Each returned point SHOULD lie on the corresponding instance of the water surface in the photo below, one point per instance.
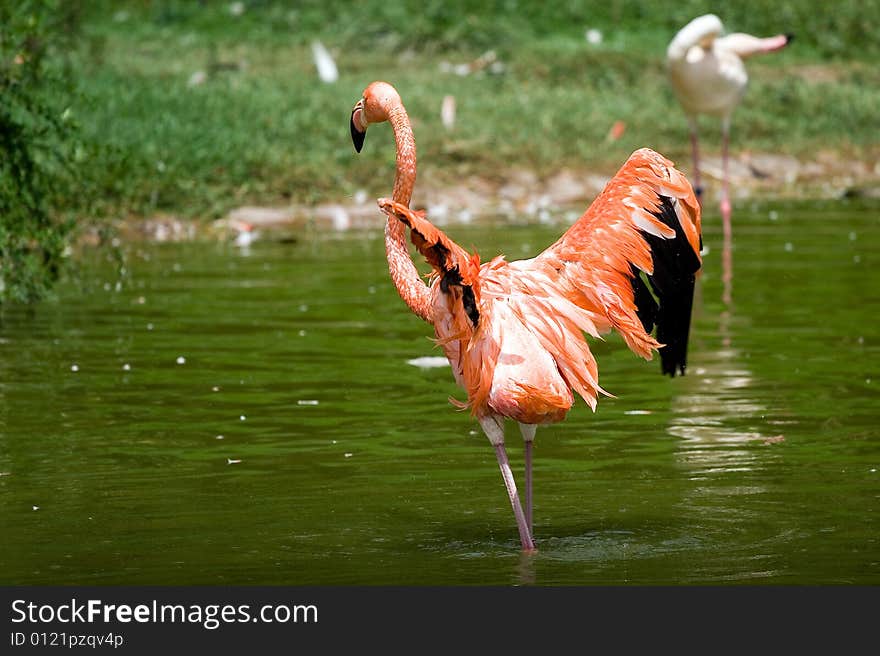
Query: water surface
(198, 414)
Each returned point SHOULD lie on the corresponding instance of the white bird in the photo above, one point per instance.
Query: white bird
(708, 76)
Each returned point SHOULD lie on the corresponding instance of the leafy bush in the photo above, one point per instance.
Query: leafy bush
(37, 142)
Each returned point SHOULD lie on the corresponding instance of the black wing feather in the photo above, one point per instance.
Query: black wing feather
(668, 302)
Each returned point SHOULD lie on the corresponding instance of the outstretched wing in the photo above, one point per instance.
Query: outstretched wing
(451, 263)
(633, 257)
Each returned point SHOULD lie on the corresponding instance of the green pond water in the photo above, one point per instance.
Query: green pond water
(198, 414)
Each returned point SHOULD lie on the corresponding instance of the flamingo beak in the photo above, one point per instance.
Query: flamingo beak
(777, 42)
(357, 135)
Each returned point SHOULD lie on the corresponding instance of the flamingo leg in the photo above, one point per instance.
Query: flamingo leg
(529, 487)
(493, 427)
(695, 155)
(524, 535)
(528, 433)
(725, 178)
(727, 251)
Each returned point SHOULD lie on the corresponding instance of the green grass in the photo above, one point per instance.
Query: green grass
(263, 129)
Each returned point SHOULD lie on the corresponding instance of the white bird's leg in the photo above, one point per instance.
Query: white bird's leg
(727, 249)
(494, 429)
(725, 177)
(695, 155)
(528, 433)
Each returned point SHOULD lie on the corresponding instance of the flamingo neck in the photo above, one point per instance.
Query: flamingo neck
(404, 274)
(405, 174)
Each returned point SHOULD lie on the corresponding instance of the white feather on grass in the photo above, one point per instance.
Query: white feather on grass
(429, 362)
(447, 112)
(324, 62)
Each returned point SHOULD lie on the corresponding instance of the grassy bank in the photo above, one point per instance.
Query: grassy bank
(261, 128)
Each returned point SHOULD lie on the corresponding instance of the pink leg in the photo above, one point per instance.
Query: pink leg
(695, 154)
(727, 251)
(529, 487)
(525, 535)
(727, 269)
(528, 432)
(725, 180)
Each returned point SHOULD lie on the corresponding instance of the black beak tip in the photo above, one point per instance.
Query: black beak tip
(357, 137)
(789, 37)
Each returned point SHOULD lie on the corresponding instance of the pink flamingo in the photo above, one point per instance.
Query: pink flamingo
(709, 77)
(514, 331)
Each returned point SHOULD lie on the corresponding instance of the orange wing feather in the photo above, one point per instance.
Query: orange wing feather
(639, 185)
(646, 219)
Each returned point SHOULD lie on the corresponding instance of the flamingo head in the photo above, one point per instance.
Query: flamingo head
(374, 107)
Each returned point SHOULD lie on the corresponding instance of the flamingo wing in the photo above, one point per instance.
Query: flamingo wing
(701, 31)
(632, 258)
